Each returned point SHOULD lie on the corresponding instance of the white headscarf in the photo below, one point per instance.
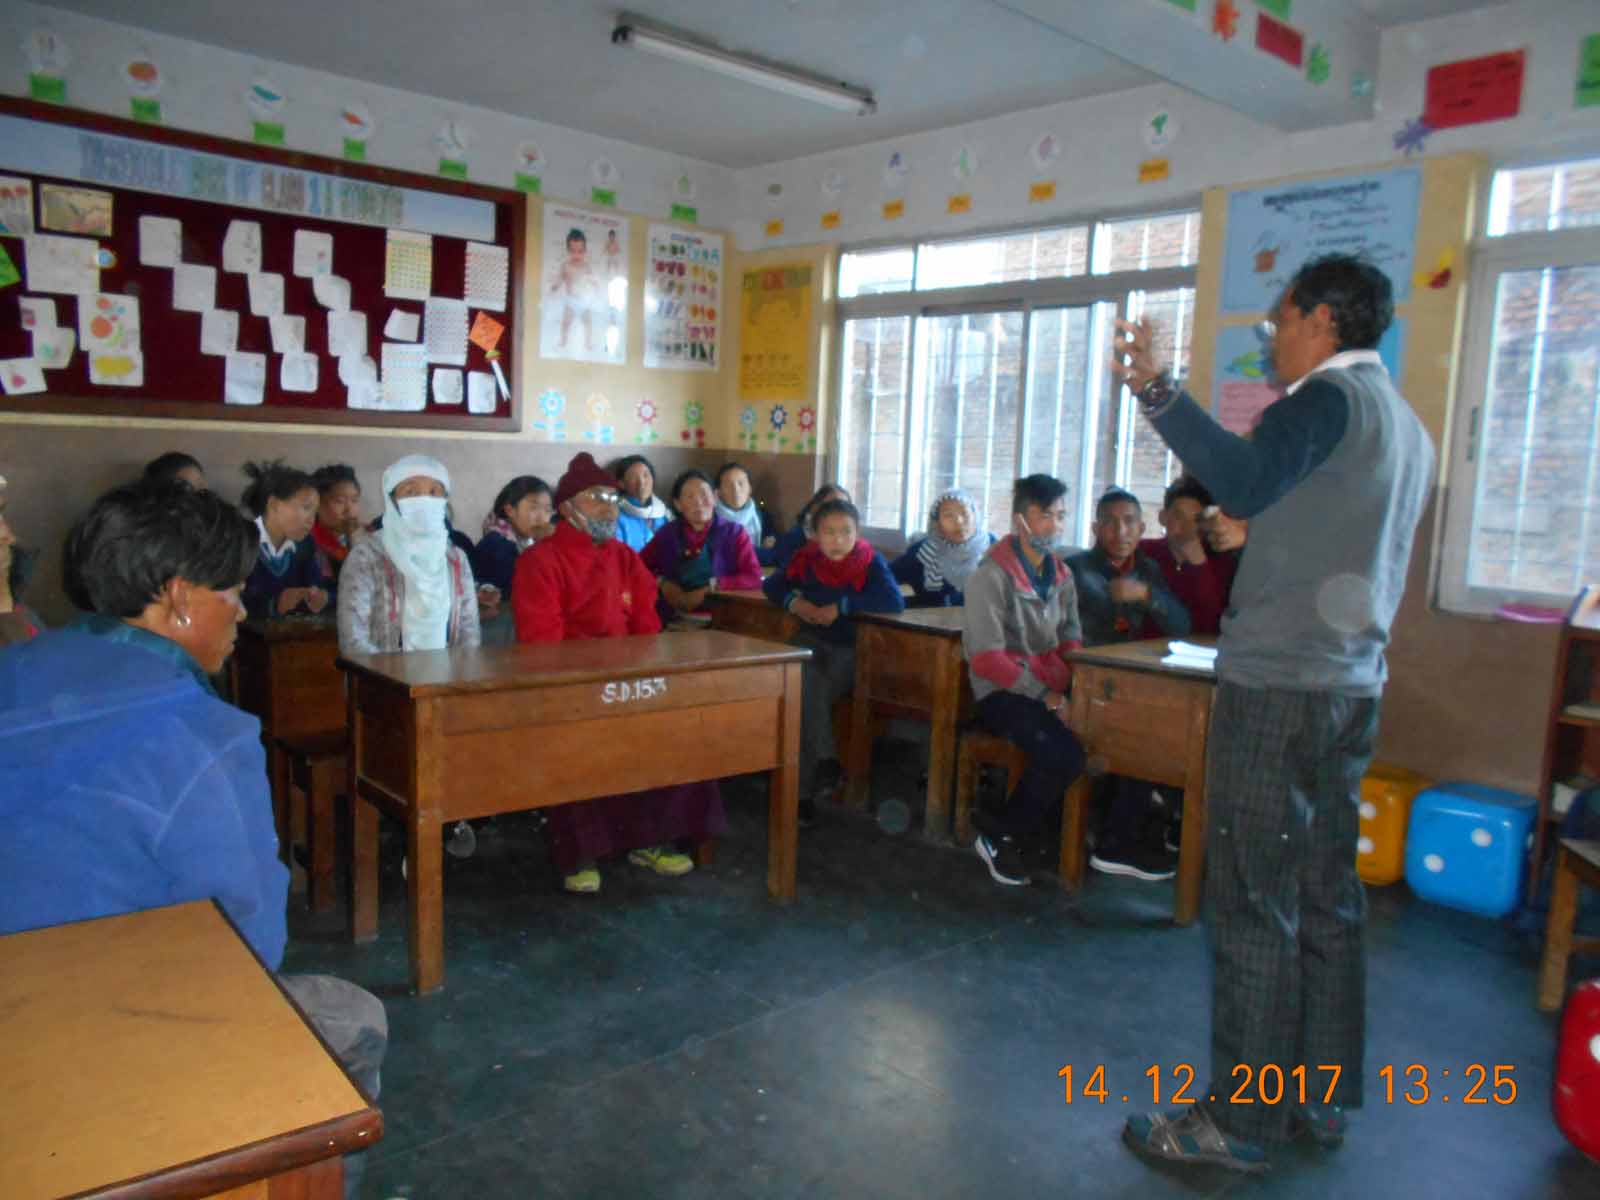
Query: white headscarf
(421, 553)
(944, 561)
(749, 516)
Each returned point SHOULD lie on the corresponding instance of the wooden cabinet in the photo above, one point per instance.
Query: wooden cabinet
(1572, 738)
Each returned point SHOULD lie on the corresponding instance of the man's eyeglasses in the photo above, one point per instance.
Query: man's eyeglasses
(603, 495)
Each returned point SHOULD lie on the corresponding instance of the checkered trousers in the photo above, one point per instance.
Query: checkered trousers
(1285, 908)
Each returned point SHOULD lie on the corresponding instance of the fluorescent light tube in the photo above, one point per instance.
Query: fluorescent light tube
(839, 96)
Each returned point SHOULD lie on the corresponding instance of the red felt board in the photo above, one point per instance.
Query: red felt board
(1279, 40)
(180, 381)
(1474, 90)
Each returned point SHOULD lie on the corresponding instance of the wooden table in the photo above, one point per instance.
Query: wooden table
(750, 614)
(152, 1055)
(442, 735)
(1139, 718)
(1577, 863)
(910, 664)
(283, 670)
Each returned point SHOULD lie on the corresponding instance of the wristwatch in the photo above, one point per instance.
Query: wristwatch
(1157, 394)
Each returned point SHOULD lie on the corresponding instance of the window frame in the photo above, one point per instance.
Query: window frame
(1492, 258)
(1023, 295)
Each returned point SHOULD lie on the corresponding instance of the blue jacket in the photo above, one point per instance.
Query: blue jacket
(636, 532)
(880, 593)
(125, 784)
(494, 560)
(910, 569)
(780, 554)
(261, 588)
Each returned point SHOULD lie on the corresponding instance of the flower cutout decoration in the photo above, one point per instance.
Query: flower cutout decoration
(646, 411)
(693, 412)
(551, 403)
(1413, 137)
(808, 420)
(747, 416)
(779, 417)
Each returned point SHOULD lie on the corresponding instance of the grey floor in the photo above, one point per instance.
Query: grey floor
(897, 1032)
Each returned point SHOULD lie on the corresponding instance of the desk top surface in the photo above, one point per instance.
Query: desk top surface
(490, 668)
(941, 622)
(741, 596)
(1145, 656)
(137, 1044)
(291, 629)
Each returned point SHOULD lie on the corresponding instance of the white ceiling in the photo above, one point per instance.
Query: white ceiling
(930, 63)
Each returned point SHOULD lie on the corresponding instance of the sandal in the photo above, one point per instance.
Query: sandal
(1324, 1124)
(1191, 1136)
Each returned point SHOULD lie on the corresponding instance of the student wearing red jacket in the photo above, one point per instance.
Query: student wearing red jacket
(581, 582)
(1198, 575)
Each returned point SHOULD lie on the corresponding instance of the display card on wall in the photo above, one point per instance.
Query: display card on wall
(683, 299)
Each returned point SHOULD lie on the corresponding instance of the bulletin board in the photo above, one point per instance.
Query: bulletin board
(168, 271)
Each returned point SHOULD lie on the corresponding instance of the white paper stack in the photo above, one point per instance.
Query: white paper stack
(1191, 655)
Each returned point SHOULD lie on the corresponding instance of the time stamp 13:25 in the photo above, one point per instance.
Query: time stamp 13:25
(1412, 1083)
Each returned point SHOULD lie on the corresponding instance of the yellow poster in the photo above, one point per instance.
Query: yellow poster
(775, 333)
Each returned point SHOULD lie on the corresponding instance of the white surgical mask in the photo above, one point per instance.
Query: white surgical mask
(422, 514)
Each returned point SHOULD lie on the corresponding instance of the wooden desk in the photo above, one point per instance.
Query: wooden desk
(750, 614)
(442, 735)
(910, 664)
(151, 1055)
(1139, 718)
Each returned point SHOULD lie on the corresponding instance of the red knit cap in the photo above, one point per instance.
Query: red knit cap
(582, 474)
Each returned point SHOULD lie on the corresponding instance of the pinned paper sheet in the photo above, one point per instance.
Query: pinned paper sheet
(486, 332)
(241, 247)
(37, 312)
(245, 381)
(356, 368)
(298, 373)
(405, 377)
(62, 264)
(332, 292)
(401, 325)
(347, 333)
(313, 253)
(447, 386)
(219, 331)
(16, 206)
(266, 294)
(408, 265)
(194, 288)
(488, 269)
(444, 330)
(160, 242)
(53, 347)
(117, 370)
(288, 334)
(108, 322)
(480, 392)
(363, 394)
(21, 376)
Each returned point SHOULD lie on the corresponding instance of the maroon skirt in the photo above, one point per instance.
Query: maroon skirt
(593, 830)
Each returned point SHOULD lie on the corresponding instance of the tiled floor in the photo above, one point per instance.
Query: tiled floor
(897, 1032)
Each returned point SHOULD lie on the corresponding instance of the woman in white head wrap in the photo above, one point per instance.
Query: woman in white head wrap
(408, 587)
(937, 567)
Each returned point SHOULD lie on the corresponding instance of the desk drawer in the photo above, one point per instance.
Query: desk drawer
(1134, 724)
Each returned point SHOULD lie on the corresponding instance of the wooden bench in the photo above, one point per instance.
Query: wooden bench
(1576, 862)
(979, 748)
(316, 766)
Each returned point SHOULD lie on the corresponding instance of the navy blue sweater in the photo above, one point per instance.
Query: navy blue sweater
(494, 560)
(880, 593)
(262, 587)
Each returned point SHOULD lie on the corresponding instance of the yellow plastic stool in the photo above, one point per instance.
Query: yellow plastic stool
(1386, 795)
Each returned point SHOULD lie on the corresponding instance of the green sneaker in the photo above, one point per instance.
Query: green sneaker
(584, 880)
(663, 860)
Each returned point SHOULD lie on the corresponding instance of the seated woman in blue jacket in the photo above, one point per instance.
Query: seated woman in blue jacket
(937, 566)
(125, 783)
(830, 579)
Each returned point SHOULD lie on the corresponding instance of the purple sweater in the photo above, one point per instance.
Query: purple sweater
(728, 557)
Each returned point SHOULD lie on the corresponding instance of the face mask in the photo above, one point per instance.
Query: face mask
(1041, 545)
(422, 514)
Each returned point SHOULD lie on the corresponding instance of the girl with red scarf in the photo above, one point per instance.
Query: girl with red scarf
(338, 521)
(831, 578)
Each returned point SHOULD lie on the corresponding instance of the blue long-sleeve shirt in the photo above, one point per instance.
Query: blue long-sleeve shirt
(125, 784)
(880, 593)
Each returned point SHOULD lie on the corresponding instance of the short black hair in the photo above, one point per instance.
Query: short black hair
(1041, 491)
(577, 235)
(834, 508)
(688, 477)
(273, 480)
(523, 485)
(1116, 495)
(1187, 487)
(820, 496)
(731, 466)
(137, 538)
(1357, 293)
(325, 479)
(621, 466)
(164, 468)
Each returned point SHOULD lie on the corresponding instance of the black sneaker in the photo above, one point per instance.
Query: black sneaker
(1136, 861)
(1004, 863)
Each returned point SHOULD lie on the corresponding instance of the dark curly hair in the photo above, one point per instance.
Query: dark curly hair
(273, 480)
(1357, 293)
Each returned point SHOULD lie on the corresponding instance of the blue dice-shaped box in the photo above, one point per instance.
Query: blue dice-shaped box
(1466, 845)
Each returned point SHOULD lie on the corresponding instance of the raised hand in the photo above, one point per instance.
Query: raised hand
(1133, 357)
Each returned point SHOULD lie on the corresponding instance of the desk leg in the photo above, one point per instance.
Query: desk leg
(858, 756)
(942, 740)
(278, 783)
(1192, 851)
(363, 869)
(425, 886)
(1558, 934)
(783, 792)
(1074, 819)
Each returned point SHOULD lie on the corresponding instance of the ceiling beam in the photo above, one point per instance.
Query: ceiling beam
(1161, 37)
